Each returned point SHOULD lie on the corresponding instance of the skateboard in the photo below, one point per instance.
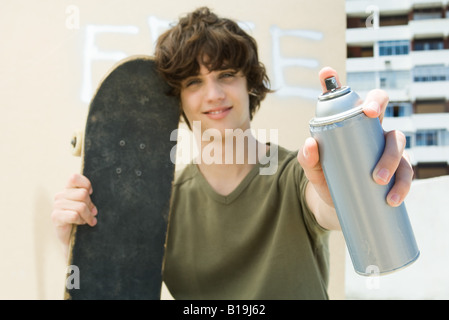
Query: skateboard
(126, 156)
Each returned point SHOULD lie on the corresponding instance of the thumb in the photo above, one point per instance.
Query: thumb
(309, 159)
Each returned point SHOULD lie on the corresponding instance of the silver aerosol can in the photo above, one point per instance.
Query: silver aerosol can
(379, 237)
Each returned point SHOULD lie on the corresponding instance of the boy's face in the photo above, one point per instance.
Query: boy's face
(219, 99)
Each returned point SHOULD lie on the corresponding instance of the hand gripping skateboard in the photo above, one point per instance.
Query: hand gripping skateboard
(126, 156)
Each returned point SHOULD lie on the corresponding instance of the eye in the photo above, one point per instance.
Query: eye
(191, 82)
(228, 74)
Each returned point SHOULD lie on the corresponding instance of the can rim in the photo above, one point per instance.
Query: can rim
(320, 121)
(334, 93)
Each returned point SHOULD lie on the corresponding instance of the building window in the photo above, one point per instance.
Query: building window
(430, 106)
(393, 48)
(393, 20)
(428, 13)
(394, 79)
(359, 52)
(427, 138)
(361, 81)
(431, 169)
(408, 141)
(399, 109)
(428, 44)
(430, 73)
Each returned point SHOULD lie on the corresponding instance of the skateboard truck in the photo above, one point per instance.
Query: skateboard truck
(77, 143)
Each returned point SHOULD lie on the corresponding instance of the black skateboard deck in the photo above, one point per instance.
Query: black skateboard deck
(126, 156)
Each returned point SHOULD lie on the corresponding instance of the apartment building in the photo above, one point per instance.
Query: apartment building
(402, 46)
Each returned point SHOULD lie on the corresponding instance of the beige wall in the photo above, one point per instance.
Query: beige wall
(53, 55)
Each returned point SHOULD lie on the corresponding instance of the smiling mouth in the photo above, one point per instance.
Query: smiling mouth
(218, 111)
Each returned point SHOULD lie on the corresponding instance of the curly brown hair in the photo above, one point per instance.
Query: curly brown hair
(202, 37)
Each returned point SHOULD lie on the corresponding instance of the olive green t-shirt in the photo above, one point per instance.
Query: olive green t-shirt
(259, 242)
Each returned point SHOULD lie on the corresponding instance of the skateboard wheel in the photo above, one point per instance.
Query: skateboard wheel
(77, 143)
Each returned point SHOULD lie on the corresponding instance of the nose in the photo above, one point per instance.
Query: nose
(214, 91)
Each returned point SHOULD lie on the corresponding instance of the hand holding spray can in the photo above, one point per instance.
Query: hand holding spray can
(379, 237)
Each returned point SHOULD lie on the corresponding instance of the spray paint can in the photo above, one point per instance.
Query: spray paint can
(379, 237)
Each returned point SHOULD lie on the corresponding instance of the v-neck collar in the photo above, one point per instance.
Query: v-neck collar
(234, 194)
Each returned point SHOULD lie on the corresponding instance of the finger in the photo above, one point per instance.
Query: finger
(77, 194)
(87, 214)
(63, 218)
(79, 181)
(402, 184)
(325, 73)
(65, 209)
(375, 104)
(391, 157)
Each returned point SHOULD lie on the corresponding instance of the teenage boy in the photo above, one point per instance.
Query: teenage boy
(235, 233)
